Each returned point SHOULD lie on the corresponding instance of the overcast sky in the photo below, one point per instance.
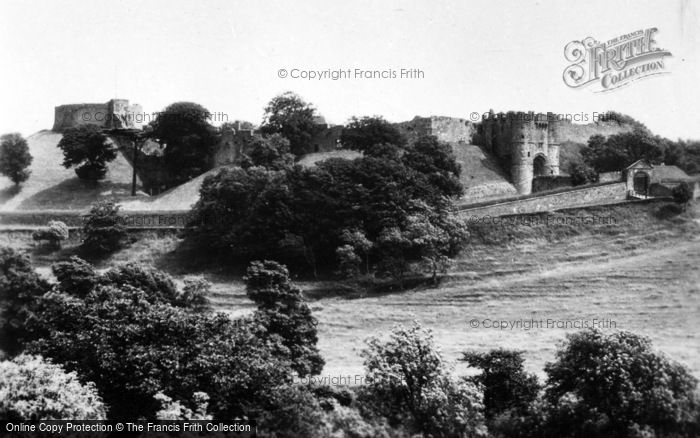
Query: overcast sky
(226, 55)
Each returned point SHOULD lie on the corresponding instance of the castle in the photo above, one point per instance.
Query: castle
(526, 145)
(115, 114)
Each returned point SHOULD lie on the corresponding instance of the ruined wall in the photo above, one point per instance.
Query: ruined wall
(447, 129)
(117, 113)
(231, 146)
(328, 139)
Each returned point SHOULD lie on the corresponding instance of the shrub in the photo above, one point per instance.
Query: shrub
(615, 385)
(57, 232)
(75, 277)
(293, 412)
(20, 286)
(581, 173)
(87, 148)
(158, 286)
(363, 134)
(34, 389)
(174, 410)
(410, 385)
(14, 157)
(682, 194)
(103, 229)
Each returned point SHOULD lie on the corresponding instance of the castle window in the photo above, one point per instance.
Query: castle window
(528, 154)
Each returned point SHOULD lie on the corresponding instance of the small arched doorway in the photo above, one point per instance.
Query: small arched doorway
(640, 182)
(539, 166)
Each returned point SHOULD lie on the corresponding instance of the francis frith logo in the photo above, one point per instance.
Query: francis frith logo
(609, 65)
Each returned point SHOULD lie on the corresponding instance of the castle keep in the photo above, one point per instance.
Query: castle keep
(115, 114)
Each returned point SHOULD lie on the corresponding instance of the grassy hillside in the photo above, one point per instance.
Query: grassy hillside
(635, 265)
(51, 186)
(482, 177)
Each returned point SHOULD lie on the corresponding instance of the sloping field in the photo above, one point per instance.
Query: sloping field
(51, 186)
(481, 176)
(639, 274)
(182, 197)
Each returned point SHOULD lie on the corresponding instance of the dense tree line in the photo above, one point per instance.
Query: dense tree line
(376, 213)
(616, 152)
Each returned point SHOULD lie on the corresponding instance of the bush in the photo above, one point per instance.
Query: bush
(20, 286)
(75, 277)
(57, 232)
(293, 412)
(682, 194)
(615, 385)
(363, 134)
(87, 148)
(410, 385)
(33, 389)
(174, 410)
(103, 229)
(14, 157)
(581, 173)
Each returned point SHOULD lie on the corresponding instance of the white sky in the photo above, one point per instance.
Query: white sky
(506, 55)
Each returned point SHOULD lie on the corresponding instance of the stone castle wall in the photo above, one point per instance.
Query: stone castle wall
(117, 113)
(607, 193)
(447, 129)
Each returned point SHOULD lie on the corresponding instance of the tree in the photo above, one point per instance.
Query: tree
(289, 115)
(14, 157)
(87, 148)
(410, 385)
(364, 133)
(189, 139)
(682, 194)
(103, 229)
(505, 383)
(20, 286)
(271, 152)
(581, 173)
(284, 314)
(436, 161)
(620, 150)
(35, 389)
(615, 385)
(134, 349)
